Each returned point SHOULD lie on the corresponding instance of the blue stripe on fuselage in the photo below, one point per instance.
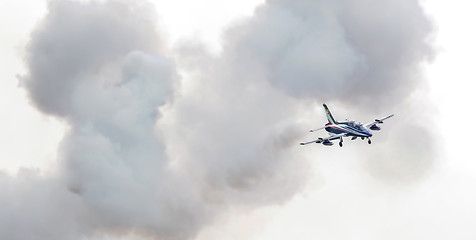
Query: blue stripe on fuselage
(345, 128)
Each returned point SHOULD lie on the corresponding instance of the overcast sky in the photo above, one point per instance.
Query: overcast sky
(182, 119)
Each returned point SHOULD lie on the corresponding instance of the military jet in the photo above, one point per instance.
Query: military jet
(339, 130)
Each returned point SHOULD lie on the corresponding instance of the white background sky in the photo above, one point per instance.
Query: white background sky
(444, 201)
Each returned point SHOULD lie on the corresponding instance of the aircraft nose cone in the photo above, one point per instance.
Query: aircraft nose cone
(369, 133)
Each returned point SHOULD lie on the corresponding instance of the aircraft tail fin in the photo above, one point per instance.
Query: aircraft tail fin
(329, 115)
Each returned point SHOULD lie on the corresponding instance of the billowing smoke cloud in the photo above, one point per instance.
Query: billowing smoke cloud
(99, 67)
(145, 156)
(75, 41)
(361, 53)
(35, 207)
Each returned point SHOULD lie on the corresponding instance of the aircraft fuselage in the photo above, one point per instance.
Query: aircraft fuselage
(357, 130)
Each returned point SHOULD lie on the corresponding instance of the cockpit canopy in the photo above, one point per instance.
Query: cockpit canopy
(356, 124)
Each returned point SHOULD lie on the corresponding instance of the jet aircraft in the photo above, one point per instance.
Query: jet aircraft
(339, 130)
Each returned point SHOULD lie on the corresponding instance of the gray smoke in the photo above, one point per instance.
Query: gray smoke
(145, 155)
(36, 207)
(361, 53)
(99, 67)
(76, 41)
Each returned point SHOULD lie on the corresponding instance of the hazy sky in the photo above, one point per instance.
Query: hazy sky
(182, 119)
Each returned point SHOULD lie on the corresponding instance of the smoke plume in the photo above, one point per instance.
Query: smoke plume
(145, 155)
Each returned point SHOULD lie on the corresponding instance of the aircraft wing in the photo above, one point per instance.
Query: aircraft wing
(378, 121)
(314, 130)
(330, 138)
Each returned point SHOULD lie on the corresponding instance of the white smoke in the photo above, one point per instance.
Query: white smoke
(143, 156)
(98, 66)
